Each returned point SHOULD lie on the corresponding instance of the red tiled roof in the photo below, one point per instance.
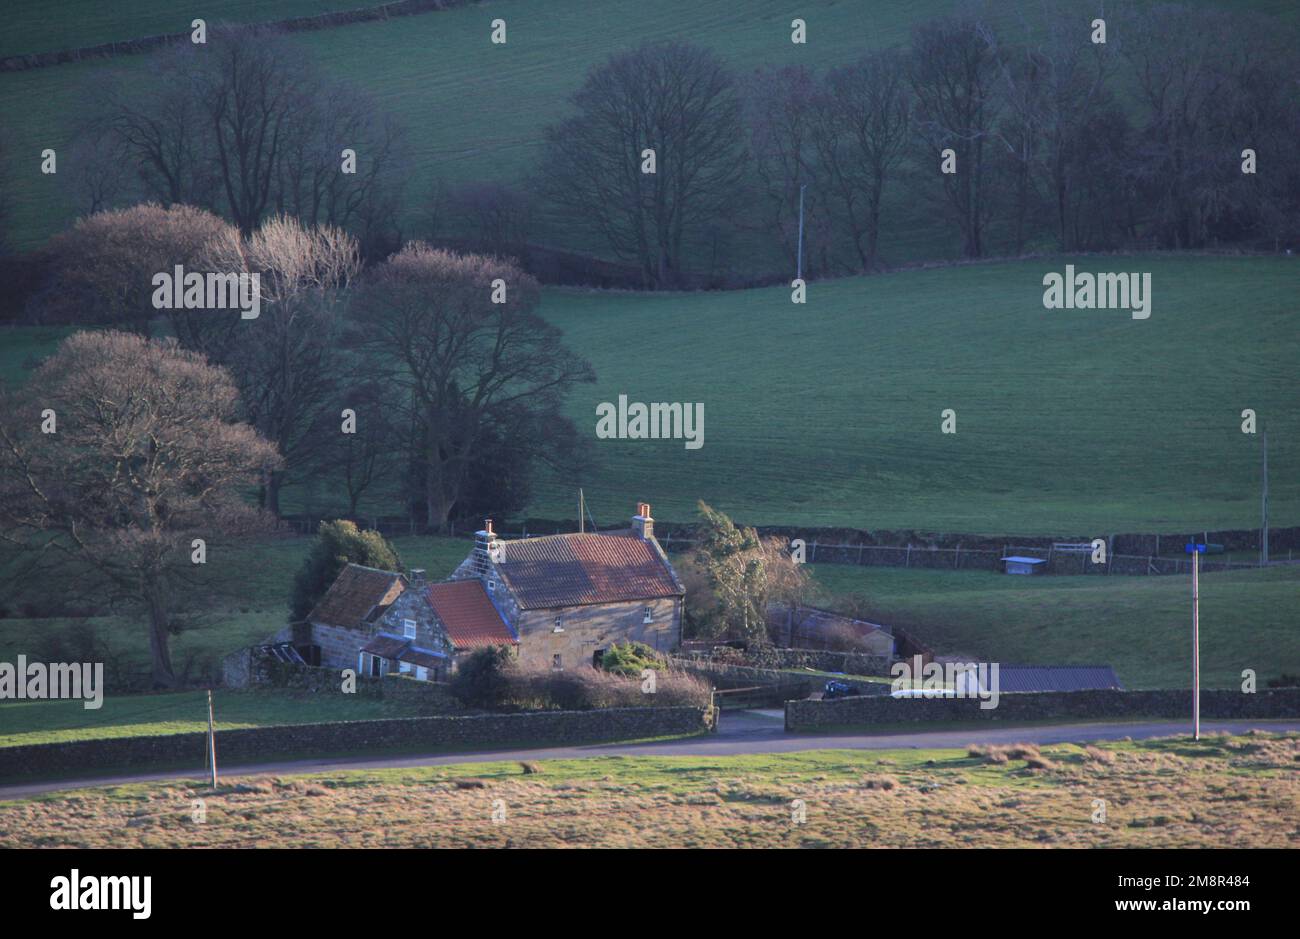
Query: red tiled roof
(356, 596)
(468, 615)
(581, 568)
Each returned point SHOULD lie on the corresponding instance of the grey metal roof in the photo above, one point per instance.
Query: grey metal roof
(1056, 678)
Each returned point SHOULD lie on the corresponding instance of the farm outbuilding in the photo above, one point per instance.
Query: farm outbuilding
(1022, 565)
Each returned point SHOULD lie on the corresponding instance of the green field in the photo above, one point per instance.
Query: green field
(1069, 422)
(472, 111)
(1219, 792)
(1140, 625)
(50, 25)
(28, 722)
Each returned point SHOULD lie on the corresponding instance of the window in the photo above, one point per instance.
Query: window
(492, 586)
(559, 624)
(555, 661)
(421, 673)
(647, 615)
(403, 667)
(408, 628)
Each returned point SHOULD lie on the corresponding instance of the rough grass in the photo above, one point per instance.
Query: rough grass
(1221, 792)
(1140, 625)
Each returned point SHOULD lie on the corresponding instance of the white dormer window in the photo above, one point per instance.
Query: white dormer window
(408, 628)
(647, 615)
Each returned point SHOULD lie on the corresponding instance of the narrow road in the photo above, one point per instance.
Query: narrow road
(741, 732)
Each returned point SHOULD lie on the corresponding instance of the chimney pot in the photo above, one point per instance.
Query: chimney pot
(487, 526)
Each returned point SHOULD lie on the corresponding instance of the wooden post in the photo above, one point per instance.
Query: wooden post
(212, 743)
(907, 561)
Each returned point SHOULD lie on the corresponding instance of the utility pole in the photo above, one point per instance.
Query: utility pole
(799, 270)
(212, 743)
(1263, 535)
(582, 507)
(1196, 550)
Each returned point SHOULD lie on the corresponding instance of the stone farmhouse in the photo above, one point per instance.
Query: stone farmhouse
(559, 600)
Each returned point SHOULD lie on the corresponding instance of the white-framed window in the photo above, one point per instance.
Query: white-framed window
(559, 624)
(647, 614)
(404, 667)
(408, 628)
(492, 586)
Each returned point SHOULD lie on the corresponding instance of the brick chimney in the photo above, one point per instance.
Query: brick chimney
(642, 523)
(484, 538)
(416, 576)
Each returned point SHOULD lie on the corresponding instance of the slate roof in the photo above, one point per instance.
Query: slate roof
(1056, 678)
(577, 569)
(359, 595)
(386, 647)
(469, 617)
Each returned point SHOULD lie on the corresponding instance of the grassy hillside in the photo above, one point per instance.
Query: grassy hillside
(1223, 791)
(49, 25)
(473, 111)
(1068, 421)
(1140, 625)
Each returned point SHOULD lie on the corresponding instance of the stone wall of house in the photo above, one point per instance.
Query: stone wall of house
(252, 745)
(589, 629)
(429, 631)
(338, 646)
(1051, 705)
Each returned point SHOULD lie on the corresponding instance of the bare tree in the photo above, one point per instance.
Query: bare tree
(144, 457)
(496, 218)
(288, 362)
(470, 368)
(248, 126)
(780, 112)
(102, 269)
(954, 75)
(863, 125)
(677, 100)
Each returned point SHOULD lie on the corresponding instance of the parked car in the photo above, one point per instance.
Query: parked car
(840, 689)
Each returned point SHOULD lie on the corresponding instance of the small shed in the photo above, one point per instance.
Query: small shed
(1016, 564)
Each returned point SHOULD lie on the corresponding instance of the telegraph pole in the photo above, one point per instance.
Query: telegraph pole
(212, 743)
(799, 270)
(1196, 550)
(1263, 536)
(582, 508)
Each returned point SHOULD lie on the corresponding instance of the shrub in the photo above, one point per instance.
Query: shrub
(483, 678)
(630, 659)
(502, 683)
(338, 543)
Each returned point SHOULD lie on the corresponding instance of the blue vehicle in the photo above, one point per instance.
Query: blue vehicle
(840, 689)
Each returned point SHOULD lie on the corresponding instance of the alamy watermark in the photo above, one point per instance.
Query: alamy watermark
(658, 421)
(38, 681)
(1108, 291)
(177, 290)
(948, 680)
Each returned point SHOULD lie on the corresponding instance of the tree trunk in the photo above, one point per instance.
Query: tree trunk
(163, 676)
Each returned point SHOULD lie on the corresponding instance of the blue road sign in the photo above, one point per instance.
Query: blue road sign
(1194, 548)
